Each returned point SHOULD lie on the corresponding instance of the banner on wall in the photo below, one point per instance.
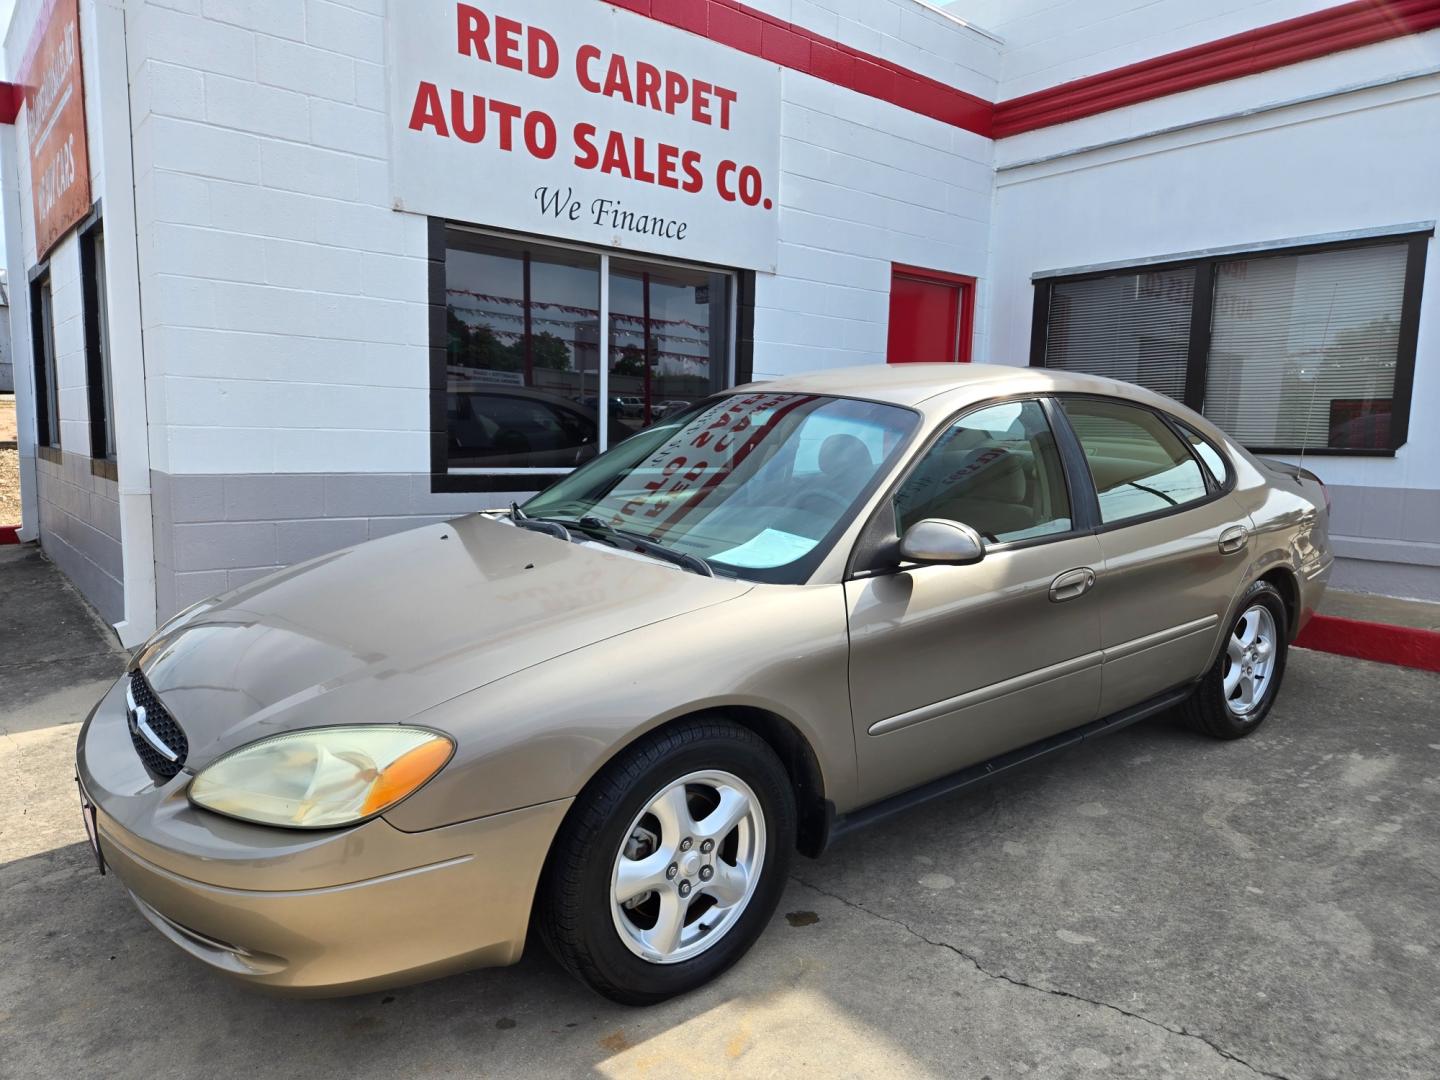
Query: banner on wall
(55, 124)
(588, 123)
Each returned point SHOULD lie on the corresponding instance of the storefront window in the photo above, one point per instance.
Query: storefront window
(1311, 349)
(47, 393)
(669, 339)
(523, 354)
(524, 394)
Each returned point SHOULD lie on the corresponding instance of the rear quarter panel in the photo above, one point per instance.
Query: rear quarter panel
(1291, 530)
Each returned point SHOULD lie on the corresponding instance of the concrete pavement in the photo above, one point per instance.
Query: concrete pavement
(1149, 905)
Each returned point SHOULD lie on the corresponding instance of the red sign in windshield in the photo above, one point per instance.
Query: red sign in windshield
(712, 447)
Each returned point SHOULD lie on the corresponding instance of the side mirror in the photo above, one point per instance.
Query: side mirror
(935, 540)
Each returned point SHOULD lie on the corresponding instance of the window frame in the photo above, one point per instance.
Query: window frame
(1213, 491)
(1084, 505)
(873, 538)
(444, 479)
(98, 372)
(44, 365)
(1202, 313)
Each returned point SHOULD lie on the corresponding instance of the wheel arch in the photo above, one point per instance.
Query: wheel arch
(1288, 586)
(1283, 580)
(814, 812)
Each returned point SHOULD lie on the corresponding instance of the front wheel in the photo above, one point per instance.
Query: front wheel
(1235, 696)
(671, 862)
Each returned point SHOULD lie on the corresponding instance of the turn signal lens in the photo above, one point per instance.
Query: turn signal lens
(406, 773)
(321, 779)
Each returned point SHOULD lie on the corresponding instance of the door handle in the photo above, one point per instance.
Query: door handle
(1072, 584)
(1234, 539)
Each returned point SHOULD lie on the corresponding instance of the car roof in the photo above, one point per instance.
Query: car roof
(912, 384)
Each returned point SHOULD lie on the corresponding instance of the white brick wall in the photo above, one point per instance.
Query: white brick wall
(284, 299)
(1048, 42)
(864, 184)
(911, 34)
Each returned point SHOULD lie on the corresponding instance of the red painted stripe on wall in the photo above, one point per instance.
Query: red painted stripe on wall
(1265, 48)
(749, 31)
(1401, 645)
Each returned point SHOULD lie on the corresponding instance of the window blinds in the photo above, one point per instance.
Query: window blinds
(1134, 327)
(1304, 348)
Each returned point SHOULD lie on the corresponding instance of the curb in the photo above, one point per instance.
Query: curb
(9, 534)
(1403, 646)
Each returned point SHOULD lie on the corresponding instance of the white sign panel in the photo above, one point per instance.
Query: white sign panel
(579, 120)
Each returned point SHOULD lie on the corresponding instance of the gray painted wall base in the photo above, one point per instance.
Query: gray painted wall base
(80, 530)
(1387, 579)
(1387, 540)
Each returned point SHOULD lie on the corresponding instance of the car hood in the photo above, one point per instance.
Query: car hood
(381, 632)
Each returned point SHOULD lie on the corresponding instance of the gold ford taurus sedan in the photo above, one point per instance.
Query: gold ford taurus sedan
(617, 711)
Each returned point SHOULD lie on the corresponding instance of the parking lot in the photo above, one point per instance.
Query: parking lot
(1150, 905)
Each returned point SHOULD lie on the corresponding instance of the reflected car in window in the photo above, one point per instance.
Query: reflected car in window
(616, 713)
(512, 427)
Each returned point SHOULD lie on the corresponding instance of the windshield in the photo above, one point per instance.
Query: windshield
(757, 484)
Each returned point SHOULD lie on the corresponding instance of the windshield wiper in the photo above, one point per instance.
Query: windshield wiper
(523, 520)
(693, 563)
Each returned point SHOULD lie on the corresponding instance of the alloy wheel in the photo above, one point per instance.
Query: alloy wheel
(687, 867)
(1249, 660)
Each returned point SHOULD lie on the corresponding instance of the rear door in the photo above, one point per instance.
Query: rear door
(1173, 543)
(952, 665)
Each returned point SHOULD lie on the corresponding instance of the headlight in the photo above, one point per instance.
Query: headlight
(321, 779)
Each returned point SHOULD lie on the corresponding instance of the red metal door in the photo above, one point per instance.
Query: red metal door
(931, 314)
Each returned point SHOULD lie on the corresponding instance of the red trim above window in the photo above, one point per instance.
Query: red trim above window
(1336, 29)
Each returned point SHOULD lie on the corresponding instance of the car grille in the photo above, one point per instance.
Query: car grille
(161, 724)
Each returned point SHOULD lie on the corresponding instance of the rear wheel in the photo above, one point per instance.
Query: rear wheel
(1236, 694)
(671, 862)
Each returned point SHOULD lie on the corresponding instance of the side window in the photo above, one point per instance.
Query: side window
(1206, 452)
(996, 470)
(1139, 465)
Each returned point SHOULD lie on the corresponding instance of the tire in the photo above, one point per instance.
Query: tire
(631, 820)
(1220, 706)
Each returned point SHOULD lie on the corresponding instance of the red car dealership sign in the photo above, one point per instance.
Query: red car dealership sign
(55, 122)
(586, 122)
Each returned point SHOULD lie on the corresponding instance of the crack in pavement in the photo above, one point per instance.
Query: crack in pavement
(41, 661)
(1000, 976)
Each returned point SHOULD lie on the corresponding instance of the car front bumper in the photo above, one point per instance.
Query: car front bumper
(333, 912)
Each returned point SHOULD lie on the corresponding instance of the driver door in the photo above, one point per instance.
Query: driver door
(952, 665)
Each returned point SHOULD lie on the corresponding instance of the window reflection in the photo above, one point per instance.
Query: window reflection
(523, 324)
(523, 354)
(669, 340)
(1139, 465)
